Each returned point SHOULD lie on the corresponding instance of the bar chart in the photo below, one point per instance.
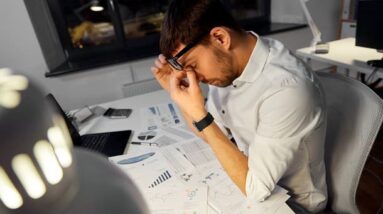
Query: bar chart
(162, 178)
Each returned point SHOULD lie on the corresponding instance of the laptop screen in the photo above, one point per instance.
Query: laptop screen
(72, 130)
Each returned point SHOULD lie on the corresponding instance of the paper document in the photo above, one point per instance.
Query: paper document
(271, 205)
(284, 209)
(157, 177)
(185, 200)
(176, 159)
(150, 173)
(164, 136)
(225, 197)
(171, 135)
(179, 133)
(182, 175)
(196, 151)
(164, 140)
(160, 116)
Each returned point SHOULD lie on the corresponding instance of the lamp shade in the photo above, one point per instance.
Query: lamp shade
(38, 171)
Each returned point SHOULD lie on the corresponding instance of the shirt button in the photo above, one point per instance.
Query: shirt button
(223, 111)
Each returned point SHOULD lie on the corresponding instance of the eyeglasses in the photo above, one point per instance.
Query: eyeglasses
(173, 61)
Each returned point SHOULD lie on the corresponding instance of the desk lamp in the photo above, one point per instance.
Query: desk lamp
(40, 172)
(316, 42)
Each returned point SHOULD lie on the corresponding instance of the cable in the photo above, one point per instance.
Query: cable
(372, 75)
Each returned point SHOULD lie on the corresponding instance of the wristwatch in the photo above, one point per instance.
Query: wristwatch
(205, 122)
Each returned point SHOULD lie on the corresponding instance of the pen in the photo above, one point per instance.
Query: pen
(144, 143)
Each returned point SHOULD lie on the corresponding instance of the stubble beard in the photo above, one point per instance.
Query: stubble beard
(225, 68)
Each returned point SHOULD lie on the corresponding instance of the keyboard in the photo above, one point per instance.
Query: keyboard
(95, 142)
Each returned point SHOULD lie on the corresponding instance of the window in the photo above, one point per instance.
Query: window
(77, 35)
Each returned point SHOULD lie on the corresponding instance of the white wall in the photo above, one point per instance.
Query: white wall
(325, 13)
(19, 49)
(286, 11)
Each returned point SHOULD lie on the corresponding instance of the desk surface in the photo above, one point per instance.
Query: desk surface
(345, 54)
(102, 124)
(133, 122)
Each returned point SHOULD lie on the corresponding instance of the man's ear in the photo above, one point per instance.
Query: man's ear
(220, 37)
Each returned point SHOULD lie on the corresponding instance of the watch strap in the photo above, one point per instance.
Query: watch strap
(205, 122)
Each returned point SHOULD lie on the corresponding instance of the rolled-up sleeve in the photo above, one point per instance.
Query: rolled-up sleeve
(284, 119)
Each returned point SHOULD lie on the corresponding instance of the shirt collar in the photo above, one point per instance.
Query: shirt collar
(256, 63)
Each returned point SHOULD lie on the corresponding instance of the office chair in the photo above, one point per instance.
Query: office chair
(355, 114)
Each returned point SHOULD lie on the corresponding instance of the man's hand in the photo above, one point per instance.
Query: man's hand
(162, 71)
(189, 96)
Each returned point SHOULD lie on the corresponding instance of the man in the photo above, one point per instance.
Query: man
(259, 93)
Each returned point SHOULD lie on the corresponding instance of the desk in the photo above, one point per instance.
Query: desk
(345, 54)
(102, 124)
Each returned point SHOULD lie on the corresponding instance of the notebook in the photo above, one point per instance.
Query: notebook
(108, 143)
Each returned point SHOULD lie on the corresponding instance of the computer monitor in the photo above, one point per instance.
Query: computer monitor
(369, 30)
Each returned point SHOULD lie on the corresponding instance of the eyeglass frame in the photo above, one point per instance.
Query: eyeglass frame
(173, 61)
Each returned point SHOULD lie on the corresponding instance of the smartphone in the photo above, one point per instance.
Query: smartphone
(117, 113)
(322, 48)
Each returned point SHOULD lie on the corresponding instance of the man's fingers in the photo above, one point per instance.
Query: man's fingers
(192, 77)
(179, 74)
(174, 82)
(158, 64)
(154, 69)
(162, 58)
(177, 79)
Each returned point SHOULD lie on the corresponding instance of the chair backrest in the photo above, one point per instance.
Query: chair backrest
(355, 114)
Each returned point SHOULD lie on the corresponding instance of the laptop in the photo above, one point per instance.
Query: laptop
(108, 143)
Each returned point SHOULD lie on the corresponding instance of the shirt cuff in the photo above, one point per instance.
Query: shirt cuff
(255, 189)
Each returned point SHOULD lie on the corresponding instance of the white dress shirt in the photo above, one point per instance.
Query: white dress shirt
(275, 112)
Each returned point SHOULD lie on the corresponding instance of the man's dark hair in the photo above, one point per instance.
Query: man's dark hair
(187, 20)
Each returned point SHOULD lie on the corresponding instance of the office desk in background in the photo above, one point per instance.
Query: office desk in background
(344, 54)
(134, 123)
